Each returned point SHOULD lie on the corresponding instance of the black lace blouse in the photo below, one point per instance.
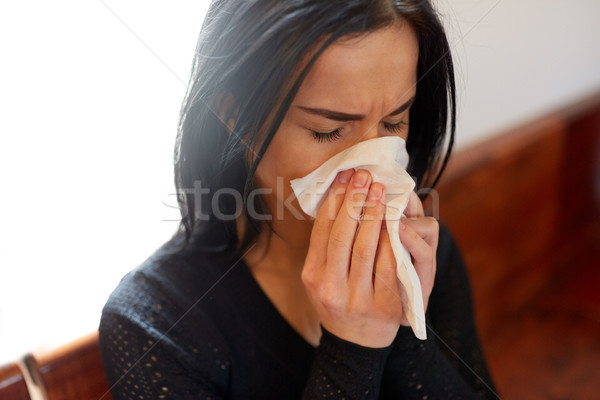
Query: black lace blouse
(179, 327)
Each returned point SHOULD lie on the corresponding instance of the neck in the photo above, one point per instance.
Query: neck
(276, 263)
(281, 254)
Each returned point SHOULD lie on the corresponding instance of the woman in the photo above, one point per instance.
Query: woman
(251, 299)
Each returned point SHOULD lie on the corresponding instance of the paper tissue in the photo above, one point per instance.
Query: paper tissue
(386, 159)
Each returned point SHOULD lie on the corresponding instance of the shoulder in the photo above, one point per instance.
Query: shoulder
(451, 276)
(447, 246)
(162, 300)
(167, 282)
(161, 284)
(156, 330)
(448, 254)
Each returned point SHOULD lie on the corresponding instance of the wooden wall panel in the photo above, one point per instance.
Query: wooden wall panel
(521, 205)
(501, 201)
(581, 167)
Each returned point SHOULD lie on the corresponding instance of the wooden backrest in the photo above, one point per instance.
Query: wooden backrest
(70, 372)
(12, 383)
(74, 371)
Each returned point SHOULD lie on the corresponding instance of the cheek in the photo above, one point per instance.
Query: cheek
(291, 154)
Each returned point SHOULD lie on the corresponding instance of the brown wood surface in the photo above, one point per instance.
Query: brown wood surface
(524, 208)
(12, 383)
(501, 201)
(75, 371)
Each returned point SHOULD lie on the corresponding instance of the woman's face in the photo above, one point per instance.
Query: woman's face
(357, 90)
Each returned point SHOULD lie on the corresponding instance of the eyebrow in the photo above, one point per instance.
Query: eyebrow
(340, 116)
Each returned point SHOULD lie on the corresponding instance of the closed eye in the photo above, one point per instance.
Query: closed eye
(327, 136)
(397, 127)
(321, 137)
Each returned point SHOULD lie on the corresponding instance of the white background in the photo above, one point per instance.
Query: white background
(89, 98)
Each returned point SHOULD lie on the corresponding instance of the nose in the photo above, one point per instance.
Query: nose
(368, 130)
(371, 130)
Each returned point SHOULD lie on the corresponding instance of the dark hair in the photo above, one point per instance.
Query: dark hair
(247, 53)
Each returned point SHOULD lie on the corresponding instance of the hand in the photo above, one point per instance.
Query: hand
(350, 270)
(420, 235)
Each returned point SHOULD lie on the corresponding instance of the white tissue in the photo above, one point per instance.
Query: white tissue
(386, 159)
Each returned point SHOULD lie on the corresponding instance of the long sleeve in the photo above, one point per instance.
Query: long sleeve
(452, 318)
(345, 370)
(417, 369)
(194, 328)
(450, 363)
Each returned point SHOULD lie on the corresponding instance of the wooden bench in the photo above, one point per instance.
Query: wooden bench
(72, 372)
(12, 383)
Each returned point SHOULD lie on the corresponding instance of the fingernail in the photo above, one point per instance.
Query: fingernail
(374, 192)
(344, 176)
(360, 179)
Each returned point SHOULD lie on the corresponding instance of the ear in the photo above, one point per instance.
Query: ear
(228, 109)
(225, 110)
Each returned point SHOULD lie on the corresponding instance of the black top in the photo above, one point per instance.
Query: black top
(181, 327)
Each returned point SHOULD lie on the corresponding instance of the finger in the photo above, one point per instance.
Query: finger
(387, 294)
(344, 227)
(385, 280)
(414, 208)
(422, 254)
(427, 227)
(360, 277)
(326, 215)
(416, 245)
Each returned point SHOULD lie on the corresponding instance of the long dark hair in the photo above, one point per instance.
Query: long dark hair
(247, 53)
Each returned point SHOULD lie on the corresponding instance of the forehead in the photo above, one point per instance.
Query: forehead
(380, 66)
